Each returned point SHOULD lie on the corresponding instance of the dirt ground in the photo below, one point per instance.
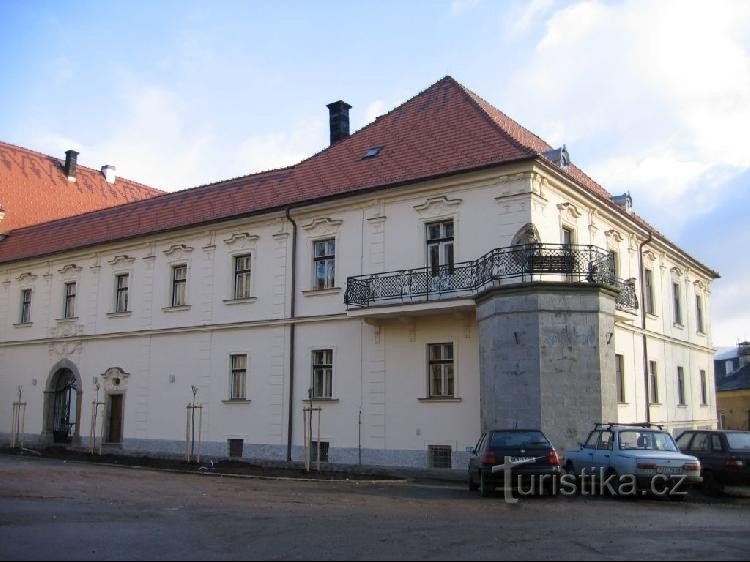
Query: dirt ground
(51, 509)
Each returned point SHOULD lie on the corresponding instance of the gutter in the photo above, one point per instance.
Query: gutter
(643, 325)
(292, 333)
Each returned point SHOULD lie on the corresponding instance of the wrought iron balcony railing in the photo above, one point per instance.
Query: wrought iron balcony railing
(524, 264)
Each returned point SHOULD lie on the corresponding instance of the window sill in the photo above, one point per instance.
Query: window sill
(678, 325)
(440, 399)
(322, 401)
(655, 404)
(699, 333)
(651, 316)
(67, 320)
(248, 300)
(236, 401)
(623, 403)
(683, 406)
(119, 314)
(181, 308)
(322, 292)
(23, 325)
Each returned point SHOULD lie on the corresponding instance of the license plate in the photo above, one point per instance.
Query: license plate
(669, 470)
(525, 460)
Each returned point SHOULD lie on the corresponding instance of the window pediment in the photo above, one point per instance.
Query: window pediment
(123, 259)
(614, 235)
(26, 276)
(70, 268)
(437, 206)
(569, 211)
(242, 239)
(322, 226)
(178, 249)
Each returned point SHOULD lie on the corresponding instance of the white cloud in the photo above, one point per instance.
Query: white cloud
(374, 110)
(669, 81)
(459, 7)
(528, 14)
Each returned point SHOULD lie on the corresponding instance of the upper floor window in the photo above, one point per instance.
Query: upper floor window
(25, 307)
(653, 382)
(648, 280)
(122, 286)
(441, 370)
(681, 399)
(179, 285)
(440, 247)
(699, 314)
(614, 256)
(242, 271)
(69, 306)
(324, 258)
(677, 303)
(704, 388)
(620, 372)
(238, 377)
(322, 379)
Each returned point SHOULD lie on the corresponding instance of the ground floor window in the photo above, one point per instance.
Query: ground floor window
(322, 383)
(441, 370)
(323, 451)
(440, 456)
(236, 447)
(238, 378)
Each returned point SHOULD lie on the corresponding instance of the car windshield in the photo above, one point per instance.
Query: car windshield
(739, 441)
(646, 441)
(513, 439)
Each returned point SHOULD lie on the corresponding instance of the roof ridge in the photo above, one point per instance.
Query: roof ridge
(43, 155)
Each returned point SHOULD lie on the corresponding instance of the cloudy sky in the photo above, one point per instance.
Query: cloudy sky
(649, 97)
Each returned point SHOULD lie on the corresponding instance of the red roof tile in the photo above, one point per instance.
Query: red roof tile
(34, 189)
(443, 130)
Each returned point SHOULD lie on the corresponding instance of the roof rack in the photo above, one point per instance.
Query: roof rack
(642, 425)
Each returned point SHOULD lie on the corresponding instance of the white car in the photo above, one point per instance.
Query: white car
(643, 456)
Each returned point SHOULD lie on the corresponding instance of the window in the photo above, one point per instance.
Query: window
(615, 263)
(322, 383)
(681, 387)
(324, 256)
(25, 306)
(701, 443)
(235, 447)
(606, 441)
(440, 456)
(729, 366)
(677, 303)
(683, 443)
(179, 285)
(699, 314)
(717, 445)
(238, 377)
(723, 420)
(653, 382)
(242, 269)
(324, 446)
(441, 370)
(568, 239)
(593, 440)
(372, 152)
(704, 388)
(648, 277)
(620, 371)
(122, 284)
(69, 308)
(440, 247)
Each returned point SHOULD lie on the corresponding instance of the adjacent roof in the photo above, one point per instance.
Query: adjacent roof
(739, 380)
(443, 130)
(34, 189)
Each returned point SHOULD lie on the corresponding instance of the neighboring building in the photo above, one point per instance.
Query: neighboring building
(733, 392)
(726, 361)
(513, 300)
(36, 188)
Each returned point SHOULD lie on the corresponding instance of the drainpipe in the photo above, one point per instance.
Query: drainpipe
(290, 433)
(643, 325)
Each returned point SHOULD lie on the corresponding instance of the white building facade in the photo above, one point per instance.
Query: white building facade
(262, 312)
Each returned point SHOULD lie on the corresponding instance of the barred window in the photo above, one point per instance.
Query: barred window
(122, 285)
(179, 285)
(440, 247)
(69, 308)
(620, 371)
(322, 383)
(242, 271)
(238, 378)
(324, 262)
(25, 306)
(441, 370)
(440, 456)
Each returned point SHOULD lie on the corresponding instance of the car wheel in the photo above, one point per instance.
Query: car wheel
(485, 489)
(473, 486)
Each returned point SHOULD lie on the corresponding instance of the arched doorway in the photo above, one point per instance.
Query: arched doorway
(62, 404)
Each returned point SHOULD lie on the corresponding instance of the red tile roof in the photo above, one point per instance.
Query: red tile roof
(34, 189)
(443, 130)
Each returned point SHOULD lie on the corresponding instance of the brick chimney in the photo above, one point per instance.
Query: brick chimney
(71, 162)
(339, 118)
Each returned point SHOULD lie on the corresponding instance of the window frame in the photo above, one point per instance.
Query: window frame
(69, 299)
(447, 381)
(175, 283)
(327, 374)
(236, 371)
(677, 303)
(246, 274)
(704, 387)
(699, 320)
(329, 261)
(119, 290)
(653, 380)
(25, 312)
(444, 244)
(648, 291)
(681, 387)
(622, 395)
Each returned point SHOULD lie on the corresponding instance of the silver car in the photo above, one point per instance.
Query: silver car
(643, 456)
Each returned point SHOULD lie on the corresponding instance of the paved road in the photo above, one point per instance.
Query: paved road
(53, 510)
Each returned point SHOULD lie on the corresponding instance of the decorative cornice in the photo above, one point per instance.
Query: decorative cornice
(569, 209)
(323, 226)
(437, 206)
(70, 267)
(614, 235)
(174, 248)
(676, 271)
(700, 284)
(649, 255)
(121, 259)
(244, 237)
(25, 276)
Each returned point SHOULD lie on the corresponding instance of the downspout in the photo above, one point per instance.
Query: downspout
(292, 327)
(643, 325)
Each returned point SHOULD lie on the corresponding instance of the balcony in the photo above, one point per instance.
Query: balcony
(499, 267)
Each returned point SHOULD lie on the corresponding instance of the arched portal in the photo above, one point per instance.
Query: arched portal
(62, 403)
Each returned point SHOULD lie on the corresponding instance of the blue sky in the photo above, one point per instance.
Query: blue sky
(650, 97)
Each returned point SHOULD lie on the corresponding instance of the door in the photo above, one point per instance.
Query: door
(603, 454)
(115, 419)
